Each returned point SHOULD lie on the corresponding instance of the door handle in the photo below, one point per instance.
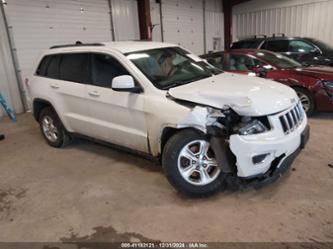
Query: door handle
(94, 94)
(54, 86)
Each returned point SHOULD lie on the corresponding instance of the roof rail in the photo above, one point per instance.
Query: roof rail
(279, 35)
(77, 44)
(252, 37)
(260, 36)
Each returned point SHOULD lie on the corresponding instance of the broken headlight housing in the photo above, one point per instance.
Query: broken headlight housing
(253, 127)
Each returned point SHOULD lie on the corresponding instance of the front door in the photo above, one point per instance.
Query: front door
(116, 117)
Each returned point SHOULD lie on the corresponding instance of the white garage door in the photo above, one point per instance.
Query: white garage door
(38, 24)
(183, 23)
(126, 19)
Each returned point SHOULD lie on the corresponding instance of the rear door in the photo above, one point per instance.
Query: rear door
(67, 75)
(117, 117)
(296, 49)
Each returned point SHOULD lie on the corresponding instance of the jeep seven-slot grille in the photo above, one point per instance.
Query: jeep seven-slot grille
(292, 119)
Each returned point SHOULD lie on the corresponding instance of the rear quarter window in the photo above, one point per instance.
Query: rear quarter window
(245, 44)
(49, 66)
(41, 70)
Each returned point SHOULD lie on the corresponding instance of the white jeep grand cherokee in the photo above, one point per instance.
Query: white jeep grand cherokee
(159, 99)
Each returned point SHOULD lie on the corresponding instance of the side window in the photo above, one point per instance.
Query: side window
(276, 45)
(240, 62)
(104, 69)
(52, 69)
(300, 46)
(41, 70)
(75, 67)
(246, 44)
(216, 61)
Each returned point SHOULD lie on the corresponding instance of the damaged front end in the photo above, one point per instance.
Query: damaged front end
(248, 149)
(218, 126)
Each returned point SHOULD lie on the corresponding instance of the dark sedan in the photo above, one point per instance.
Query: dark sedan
(308, 51)
(314, 85)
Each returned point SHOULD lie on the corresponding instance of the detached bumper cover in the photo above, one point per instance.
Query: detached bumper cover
(272, 145)
(281, 166)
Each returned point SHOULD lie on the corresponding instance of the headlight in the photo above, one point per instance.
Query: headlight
(254, 127)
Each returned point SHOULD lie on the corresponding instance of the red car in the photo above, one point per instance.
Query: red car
(314, 85)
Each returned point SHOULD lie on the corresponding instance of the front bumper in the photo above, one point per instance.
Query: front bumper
(280, 166)
(275, 144)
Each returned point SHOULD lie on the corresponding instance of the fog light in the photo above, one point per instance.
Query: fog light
(259, 158)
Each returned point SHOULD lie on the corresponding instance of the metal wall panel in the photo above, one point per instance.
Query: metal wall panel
(311, 18)
(36, 25)
(183, 23)
(8, 84)
(126, 19)
(155, 20)
(214, 25)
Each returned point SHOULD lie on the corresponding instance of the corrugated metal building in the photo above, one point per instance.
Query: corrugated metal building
(309, 18)
(197, 25)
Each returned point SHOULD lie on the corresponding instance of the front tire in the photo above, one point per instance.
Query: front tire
(52, 129)
(306, 100)
(190, 165)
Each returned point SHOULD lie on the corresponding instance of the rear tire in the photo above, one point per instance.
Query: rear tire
(52, 129)
(306, 100)
(190, 166)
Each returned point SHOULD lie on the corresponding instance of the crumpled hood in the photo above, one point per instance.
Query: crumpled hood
(246, 95)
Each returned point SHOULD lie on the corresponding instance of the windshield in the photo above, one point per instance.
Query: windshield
(320, 44)
(278, 60)
(171, 67)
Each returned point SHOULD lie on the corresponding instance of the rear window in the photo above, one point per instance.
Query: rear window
(276, 45)
(52, 69)
(75, 67)
(70, 67)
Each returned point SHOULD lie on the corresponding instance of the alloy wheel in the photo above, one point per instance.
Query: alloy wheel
(197, 163)
(49, 129)
(305, 100)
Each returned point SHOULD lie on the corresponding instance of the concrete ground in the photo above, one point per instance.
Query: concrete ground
(88, 191)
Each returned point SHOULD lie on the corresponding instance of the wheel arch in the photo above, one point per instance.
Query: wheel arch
(38, 105)
(312, 96)
(170, 131)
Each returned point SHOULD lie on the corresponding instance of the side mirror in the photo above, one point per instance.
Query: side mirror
(125, 83)
(262, 72)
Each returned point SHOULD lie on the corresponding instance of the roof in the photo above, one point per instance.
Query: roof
(237, 51)
(121, 46)
(132, 46)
